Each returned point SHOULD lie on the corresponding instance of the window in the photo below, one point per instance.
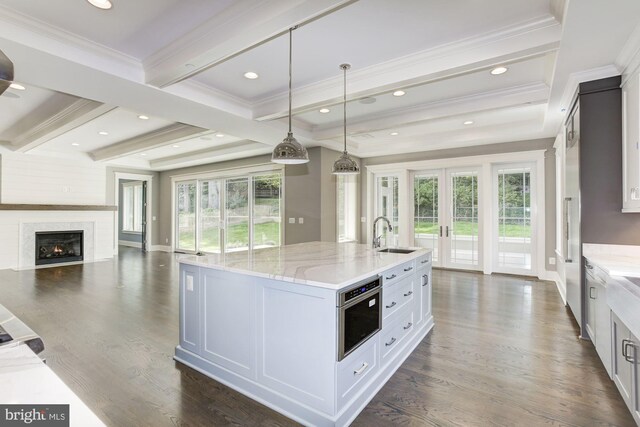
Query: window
(132, 207)
(346, 204)
(387, 206)
(221, 215)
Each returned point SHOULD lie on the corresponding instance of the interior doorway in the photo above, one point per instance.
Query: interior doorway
(133, 220)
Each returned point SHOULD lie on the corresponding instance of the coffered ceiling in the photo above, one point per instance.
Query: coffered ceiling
(181, 64)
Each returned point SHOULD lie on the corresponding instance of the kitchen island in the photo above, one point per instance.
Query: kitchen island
(268, 323)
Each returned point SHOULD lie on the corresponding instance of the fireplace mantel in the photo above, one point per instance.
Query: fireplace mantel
(33, 207)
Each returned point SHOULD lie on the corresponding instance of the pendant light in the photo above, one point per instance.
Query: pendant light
(290, 151)
(345, 165)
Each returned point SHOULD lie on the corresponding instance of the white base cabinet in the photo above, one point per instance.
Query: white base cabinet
(598, 320)
(277, 341)
(626, 350)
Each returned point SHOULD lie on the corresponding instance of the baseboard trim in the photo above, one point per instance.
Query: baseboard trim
(553, 276)
(137, 245)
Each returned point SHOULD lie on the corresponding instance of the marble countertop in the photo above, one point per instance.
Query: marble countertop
(615, 260)
(27, 380)
(323, 264)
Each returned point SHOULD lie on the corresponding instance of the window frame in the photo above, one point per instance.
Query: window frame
(132, 199)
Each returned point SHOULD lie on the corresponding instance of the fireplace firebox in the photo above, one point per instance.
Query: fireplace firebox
(59, 246)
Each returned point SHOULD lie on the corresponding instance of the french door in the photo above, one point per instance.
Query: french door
(447, 217)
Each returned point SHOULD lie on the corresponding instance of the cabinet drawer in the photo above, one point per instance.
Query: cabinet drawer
(423, 261)
(395, 274)
(355, 369)
(395, 297)
(391, 340)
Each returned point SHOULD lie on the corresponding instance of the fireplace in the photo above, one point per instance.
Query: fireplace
(59, 246)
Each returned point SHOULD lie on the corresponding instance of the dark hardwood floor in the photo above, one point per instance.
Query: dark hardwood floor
(503, 352)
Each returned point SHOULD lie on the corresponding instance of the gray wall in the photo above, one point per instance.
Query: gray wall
(509, 147)
(155, 197)
(601, 169)
(129, 237)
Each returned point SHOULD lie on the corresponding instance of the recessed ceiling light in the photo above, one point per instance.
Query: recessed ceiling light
(251, 75)
(75, 144)
(16, 86)
(393, 133)
(324, 110)
(101, 4)
(103, 133)
(143, 154)
(399, 93)
(175, 146)
(142, 117)
(468, 122)
(220, 135)
(499, 70)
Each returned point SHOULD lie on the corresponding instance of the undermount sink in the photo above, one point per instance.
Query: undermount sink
(397, 251)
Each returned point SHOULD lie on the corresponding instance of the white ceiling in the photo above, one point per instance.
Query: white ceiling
(182, 63)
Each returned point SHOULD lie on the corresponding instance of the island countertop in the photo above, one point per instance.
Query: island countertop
(323, 264)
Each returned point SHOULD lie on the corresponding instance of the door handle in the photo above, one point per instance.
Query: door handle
(392, 305)
(591, 289)
(364, 366)
(426, 279)
(447, 231)
(440, 231)
(567, 248)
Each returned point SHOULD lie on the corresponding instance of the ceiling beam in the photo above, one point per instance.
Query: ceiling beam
(533, 93)
(60, 119)
(240, 27)
(505, 45)
(167, 135)
(211, 155)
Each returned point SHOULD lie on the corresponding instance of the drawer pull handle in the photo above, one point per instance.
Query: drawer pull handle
(408, 294)
(426, 279)
(364, 366)
(424, 261)
(408, 269)
(589, 266)
(591, 289)
(408, 326)
(628, 357)
(392, 304)
(393, 276)
(390, 342)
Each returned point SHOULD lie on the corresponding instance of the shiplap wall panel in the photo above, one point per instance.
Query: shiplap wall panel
(37, 179)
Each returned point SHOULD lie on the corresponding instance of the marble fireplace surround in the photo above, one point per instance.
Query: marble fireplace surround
(28, 240)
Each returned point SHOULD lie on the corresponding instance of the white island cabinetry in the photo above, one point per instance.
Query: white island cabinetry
(266, 324)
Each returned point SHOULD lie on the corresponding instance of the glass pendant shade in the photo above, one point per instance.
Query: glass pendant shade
(290, 151)
(345, 165)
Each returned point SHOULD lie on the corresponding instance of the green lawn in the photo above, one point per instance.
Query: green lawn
(470, 228)
(267, 233)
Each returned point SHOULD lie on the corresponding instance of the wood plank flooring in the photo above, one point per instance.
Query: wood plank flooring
(503, 352)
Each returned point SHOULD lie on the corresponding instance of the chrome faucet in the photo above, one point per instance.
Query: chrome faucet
(376, 239)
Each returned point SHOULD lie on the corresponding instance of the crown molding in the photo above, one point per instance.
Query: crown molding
(167, 135)
(67, 119)
(509, 44)
(40, 35)
(585, 76)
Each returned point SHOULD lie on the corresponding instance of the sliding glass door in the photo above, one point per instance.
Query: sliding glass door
(229, 215)
(387, 206)
(427, 226)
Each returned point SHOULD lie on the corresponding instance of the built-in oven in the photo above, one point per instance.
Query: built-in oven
(359, 314)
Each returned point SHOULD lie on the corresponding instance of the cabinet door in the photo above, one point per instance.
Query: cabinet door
(634, 353)
(630, 151)
(592, 295)
(425, 294)
(603, 326)
(622, 368)
(189, 308)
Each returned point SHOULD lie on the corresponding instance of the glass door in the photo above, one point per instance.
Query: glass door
(427, 228)
(237, 215)
(514, 238)
(210, 216)
(267, 210)
(186, 216)
(387, 206)
(462, 231)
